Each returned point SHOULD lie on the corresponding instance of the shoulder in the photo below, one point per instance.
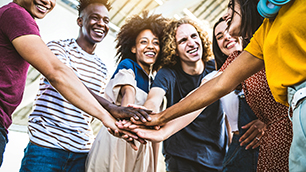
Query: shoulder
(15, 21)
(61, 42)
(66, 44)
(166, 72)
(62, 48)
(210, 65)
(127, 64)
(15, 10)
(16, 14)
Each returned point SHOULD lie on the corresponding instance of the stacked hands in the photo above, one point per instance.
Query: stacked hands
(138, 123)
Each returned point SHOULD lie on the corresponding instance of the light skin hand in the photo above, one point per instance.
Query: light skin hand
(256, 128)
(126, 135)
(150, 134)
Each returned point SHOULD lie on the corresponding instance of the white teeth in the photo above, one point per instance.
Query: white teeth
(230, 44)
(193, 51)
(41, 7)
(150, 53)
(99, 32)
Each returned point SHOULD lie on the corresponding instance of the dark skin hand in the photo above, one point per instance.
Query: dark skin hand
(253, 134)
(154, 123)
(120, 112)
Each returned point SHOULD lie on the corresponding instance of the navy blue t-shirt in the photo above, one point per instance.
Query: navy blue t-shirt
(204, 140)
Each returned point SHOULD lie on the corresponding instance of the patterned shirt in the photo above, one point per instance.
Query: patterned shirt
(275, 143)
(55, 122)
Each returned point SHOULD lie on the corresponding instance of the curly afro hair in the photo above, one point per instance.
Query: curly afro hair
(126, 38)
(84, 3)
(169, 50)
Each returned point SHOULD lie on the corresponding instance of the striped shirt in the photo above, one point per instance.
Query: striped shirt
(56, 123)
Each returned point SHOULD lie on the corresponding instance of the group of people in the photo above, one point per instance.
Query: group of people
(227, 108)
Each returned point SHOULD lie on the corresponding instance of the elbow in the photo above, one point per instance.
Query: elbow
(57, 75)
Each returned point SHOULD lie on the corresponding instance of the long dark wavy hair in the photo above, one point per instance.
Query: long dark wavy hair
(250, 18)
(126, 38)
(220, 57)
(250, 22)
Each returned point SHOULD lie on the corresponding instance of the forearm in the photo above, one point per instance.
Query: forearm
(70, 87)
(228, 128)
(128, 95)
(179, 123)
(154, 99)
(156, 146)
(102, 101)
(152, 105)
(200, 98)
(75, 92)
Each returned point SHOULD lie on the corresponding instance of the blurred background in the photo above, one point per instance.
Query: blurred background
(61, 24)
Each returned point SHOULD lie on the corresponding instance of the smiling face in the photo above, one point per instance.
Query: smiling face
(226, 43)
(93, 22)
(37, 8)
(146, 49)
(189, 45)
(235, 21)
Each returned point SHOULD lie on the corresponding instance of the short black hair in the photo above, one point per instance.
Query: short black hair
(84, 3)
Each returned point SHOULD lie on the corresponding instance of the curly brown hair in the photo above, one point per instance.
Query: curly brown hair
(169, 50)
(84, 3)
(126, 38)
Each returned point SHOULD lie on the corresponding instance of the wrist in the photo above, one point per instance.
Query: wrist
(107, 119)
(162, 119)
(109, 107)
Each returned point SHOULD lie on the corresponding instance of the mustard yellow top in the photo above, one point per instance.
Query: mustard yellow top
(282, 45)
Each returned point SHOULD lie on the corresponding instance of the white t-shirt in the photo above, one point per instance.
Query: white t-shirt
(230, 105)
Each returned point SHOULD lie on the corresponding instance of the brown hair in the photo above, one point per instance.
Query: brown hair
(169, 50)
